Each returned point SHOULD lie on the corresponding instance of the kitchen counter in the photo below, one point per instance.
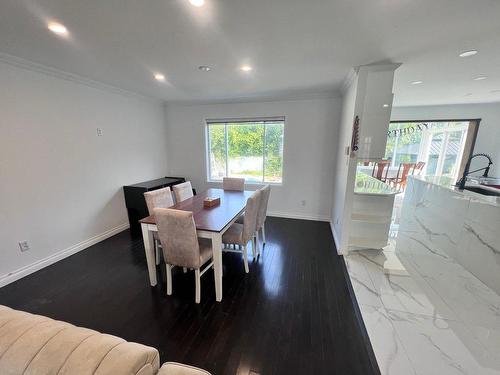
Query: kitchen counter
(449, 184)
(437, 218)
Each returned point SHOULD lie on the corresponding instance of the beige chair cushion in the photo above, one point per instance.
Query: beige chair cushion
(250, 219)
(160, 198)
(37, 345)
(233, 234)
(262, 211)
(182, 191)
(172, 368)
(233, 183)
(179, 240)
(242, 233)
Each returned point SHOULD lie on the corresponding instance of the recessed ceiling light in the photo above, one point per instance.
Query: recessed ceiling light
(204, 68)
(480, 78)
(472, 52)
(159, 77)
(57, 28)
(197, 3)
(385, 105)
(468, 94)
(246, 68)
(495, 91)
(417, 82)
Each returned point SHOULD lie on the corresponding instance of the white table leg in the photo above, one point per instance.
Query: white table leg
(149, 249)
(217, 254)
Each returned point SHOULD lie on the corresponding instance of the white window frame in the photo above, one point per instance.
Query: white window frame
(209, 122)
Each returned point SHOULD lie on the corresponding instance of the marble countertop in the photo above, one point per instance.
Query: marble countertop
(449, 183)
(368, 185)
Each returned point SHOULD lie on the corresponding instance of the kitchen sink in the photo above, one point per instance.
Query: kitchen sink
(484, 191)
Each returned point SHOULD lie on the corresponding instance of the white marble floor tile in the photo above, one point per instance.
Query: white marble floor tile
(438, 346)
(361, 282)
(391, 356)
(409, 293)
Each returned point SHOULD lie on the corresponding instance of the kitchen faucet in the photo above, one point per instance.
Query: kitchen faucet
(461, 183)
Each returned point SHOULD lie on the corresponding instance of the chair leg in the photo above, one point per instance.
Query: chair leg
(264, 233)
(245, 258)
(184, 269)
(169, 279)
(254, 247)
(257, 246)
(157, 253)
(197, 281)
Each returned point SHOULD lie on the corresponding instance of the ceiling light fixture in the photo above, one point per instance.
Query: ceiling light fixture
(57, 28)
(246, 68)
(468, 94)
(472, 52)
(204, 68)
(159, 77)
(385, 105)
(197, 3)
(417, 82)
(495, 91)
(480, 78)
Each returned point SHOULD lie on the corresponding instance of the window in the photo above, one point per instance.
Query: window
(252, 149)
(440, 145)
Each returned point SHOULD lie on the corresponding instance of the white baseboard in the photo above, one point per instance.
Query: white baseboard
(298, 216)
(335, 239)
(51, 259)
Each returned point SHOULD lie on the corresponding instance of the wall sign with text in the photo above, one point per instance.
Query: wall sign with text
(408, 130)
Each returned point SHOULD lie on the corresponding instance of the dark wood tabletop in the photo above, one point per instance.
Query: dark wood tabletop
(212, 219)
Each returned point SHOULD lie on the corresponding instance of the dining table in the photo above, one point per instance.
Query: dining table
(210, 222)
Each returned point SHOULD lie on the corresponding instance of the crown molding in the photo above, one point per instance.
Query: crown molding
(32, 66)
(259, 99)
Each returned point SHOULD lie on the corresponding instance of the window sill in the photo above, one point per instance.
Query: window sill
(248, 183)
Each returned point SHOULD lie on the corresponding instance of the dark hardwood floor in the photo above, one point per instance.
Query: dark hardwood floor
(292, 314)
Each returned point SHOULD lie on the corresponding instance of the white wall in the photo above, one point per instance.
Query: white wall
(309, 149)
(60, 184)
(342, 161)
(488, 138)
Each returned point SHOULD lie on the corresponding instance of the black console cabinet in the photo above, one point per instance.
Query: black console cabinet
(134, 198)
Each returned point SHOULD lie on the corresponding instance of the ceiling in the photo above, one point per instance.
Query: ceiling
(296, 47)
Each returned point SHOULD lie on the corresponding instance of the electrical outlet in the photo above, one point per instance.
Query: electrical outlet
(99, 132)
(24, 245)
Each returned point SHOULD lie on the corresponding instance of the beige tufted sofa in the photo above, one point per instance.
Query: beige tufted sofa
(37, 345)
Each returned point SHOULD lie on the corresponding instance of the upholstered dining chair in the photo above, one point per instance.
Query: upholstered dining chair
(261, 216)
(181, 245)
(182, 191)
(233, 183)
(241, 234)
(160, 198)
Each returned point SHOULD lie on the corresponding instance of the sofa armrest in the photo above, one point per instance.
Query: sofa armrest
(173, 368)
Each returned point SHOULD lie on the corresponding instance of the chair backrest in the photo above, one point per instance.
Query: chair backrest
(233, 183)
(264, 199)
(405, 169)
(419, 167)
(182, 191)
(378, 170)
(178, 238)
(160, 198)
(250, 218)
